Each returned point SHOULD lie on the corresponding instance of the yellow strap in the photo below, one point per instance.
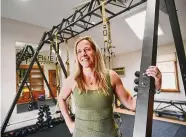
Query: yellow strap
(67, 61)
(51, 43)
(56, 41)
(106, 27)
(57, 65)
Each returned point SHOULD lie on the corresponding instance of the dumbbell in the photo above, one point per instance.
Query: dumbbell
(40, 119)
(30, 106)
(39, 124)
(41, 114)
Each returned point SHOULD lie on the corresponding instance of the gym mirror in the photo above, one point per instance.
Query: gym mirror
(35, 91)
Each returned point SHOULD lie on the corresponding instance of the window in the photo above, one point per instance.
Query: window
(168, 66)
(139, 27)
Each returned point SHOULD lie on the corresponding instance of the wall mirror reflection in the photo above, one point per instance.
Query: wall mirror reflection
(35, 91)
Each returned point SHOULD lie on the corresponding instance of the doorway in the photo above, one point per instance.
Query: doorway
(52, 82)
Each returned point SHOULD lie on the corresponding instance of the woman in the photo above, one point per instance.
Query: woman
(93, 88)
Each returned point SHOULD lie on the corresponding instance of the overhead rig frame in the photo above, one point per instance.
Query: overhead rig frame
(80, 20)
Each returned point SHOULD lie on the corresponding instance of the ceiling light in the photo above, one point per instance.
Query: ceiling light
(137, 23)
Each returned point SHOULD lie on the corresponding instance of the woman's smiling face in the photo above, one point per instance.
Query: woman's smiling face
(85, 54)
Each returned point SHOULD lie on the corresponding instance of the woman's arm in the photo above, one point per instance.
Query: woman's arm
(122, 94)
(64, 94)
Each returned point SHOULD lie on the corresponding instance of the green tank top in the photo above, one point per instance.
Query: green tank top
(94, 113)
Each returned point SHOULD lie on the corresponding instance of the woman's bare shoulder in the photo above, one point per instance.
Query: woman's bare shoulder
(70, 82)
(114, 77)
(112, 73)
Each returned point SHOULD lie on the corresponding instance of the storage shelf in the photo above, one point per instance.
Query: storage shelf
(37, 78)
(36, 73)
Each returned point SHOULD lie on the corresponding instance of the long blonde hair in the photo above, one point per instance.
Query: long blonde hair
(100, 69)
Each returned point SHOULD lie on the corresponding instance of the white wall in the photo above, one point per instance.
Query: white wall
(131, 62)
(13, 31)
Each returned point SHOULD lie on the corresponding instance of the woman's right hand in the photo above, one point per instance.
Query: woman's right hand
(71, 127)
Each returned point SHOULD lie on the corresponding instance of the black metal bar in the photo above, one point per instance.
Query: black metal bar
(46, 81)
(71, 30)
(22, 84)
(100, 7)
(80, 25)
(182, 108)
(145, 96)
(164, 107)
(127, 9)
(110, 12)
(61, 25)
(97, 15)
(74, 16)
(60, 61)
(117, 5)
(67, 32)
(24, 52)
(18, 62)
(121, 1)
(85, 6)
(178, 108)
(50, 33)
(86, 22)
(68, 22)
(47, 42)
(30, 92)
(90, 5)
(81, 14)
(171, 8)
(158, 106)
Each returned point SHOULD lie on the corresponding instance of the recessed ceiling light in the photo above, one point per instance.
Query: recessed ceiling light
(137, 23)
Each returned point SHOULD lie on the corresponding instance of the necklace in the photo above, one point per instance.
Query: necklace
(91, 81)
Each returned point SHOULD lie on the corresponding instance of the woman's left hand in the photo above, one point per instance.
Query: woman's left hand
(154, 72)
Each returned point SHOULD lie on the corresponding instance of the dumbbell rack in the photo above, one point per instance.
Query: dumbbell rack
(44, 110)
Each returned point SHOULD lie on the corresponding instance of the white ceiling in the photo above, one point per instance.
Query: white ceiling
(47, 13)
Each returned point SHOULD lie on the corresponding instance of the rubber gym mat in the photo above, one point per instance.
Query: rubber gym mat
(159, 129)
(60, 130)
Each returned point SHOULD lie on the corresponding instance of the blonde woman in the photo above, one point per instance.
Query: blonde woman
(93, 88)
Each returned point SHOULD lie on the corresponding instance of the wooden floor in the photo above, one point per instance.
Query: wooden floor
(124, 111)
